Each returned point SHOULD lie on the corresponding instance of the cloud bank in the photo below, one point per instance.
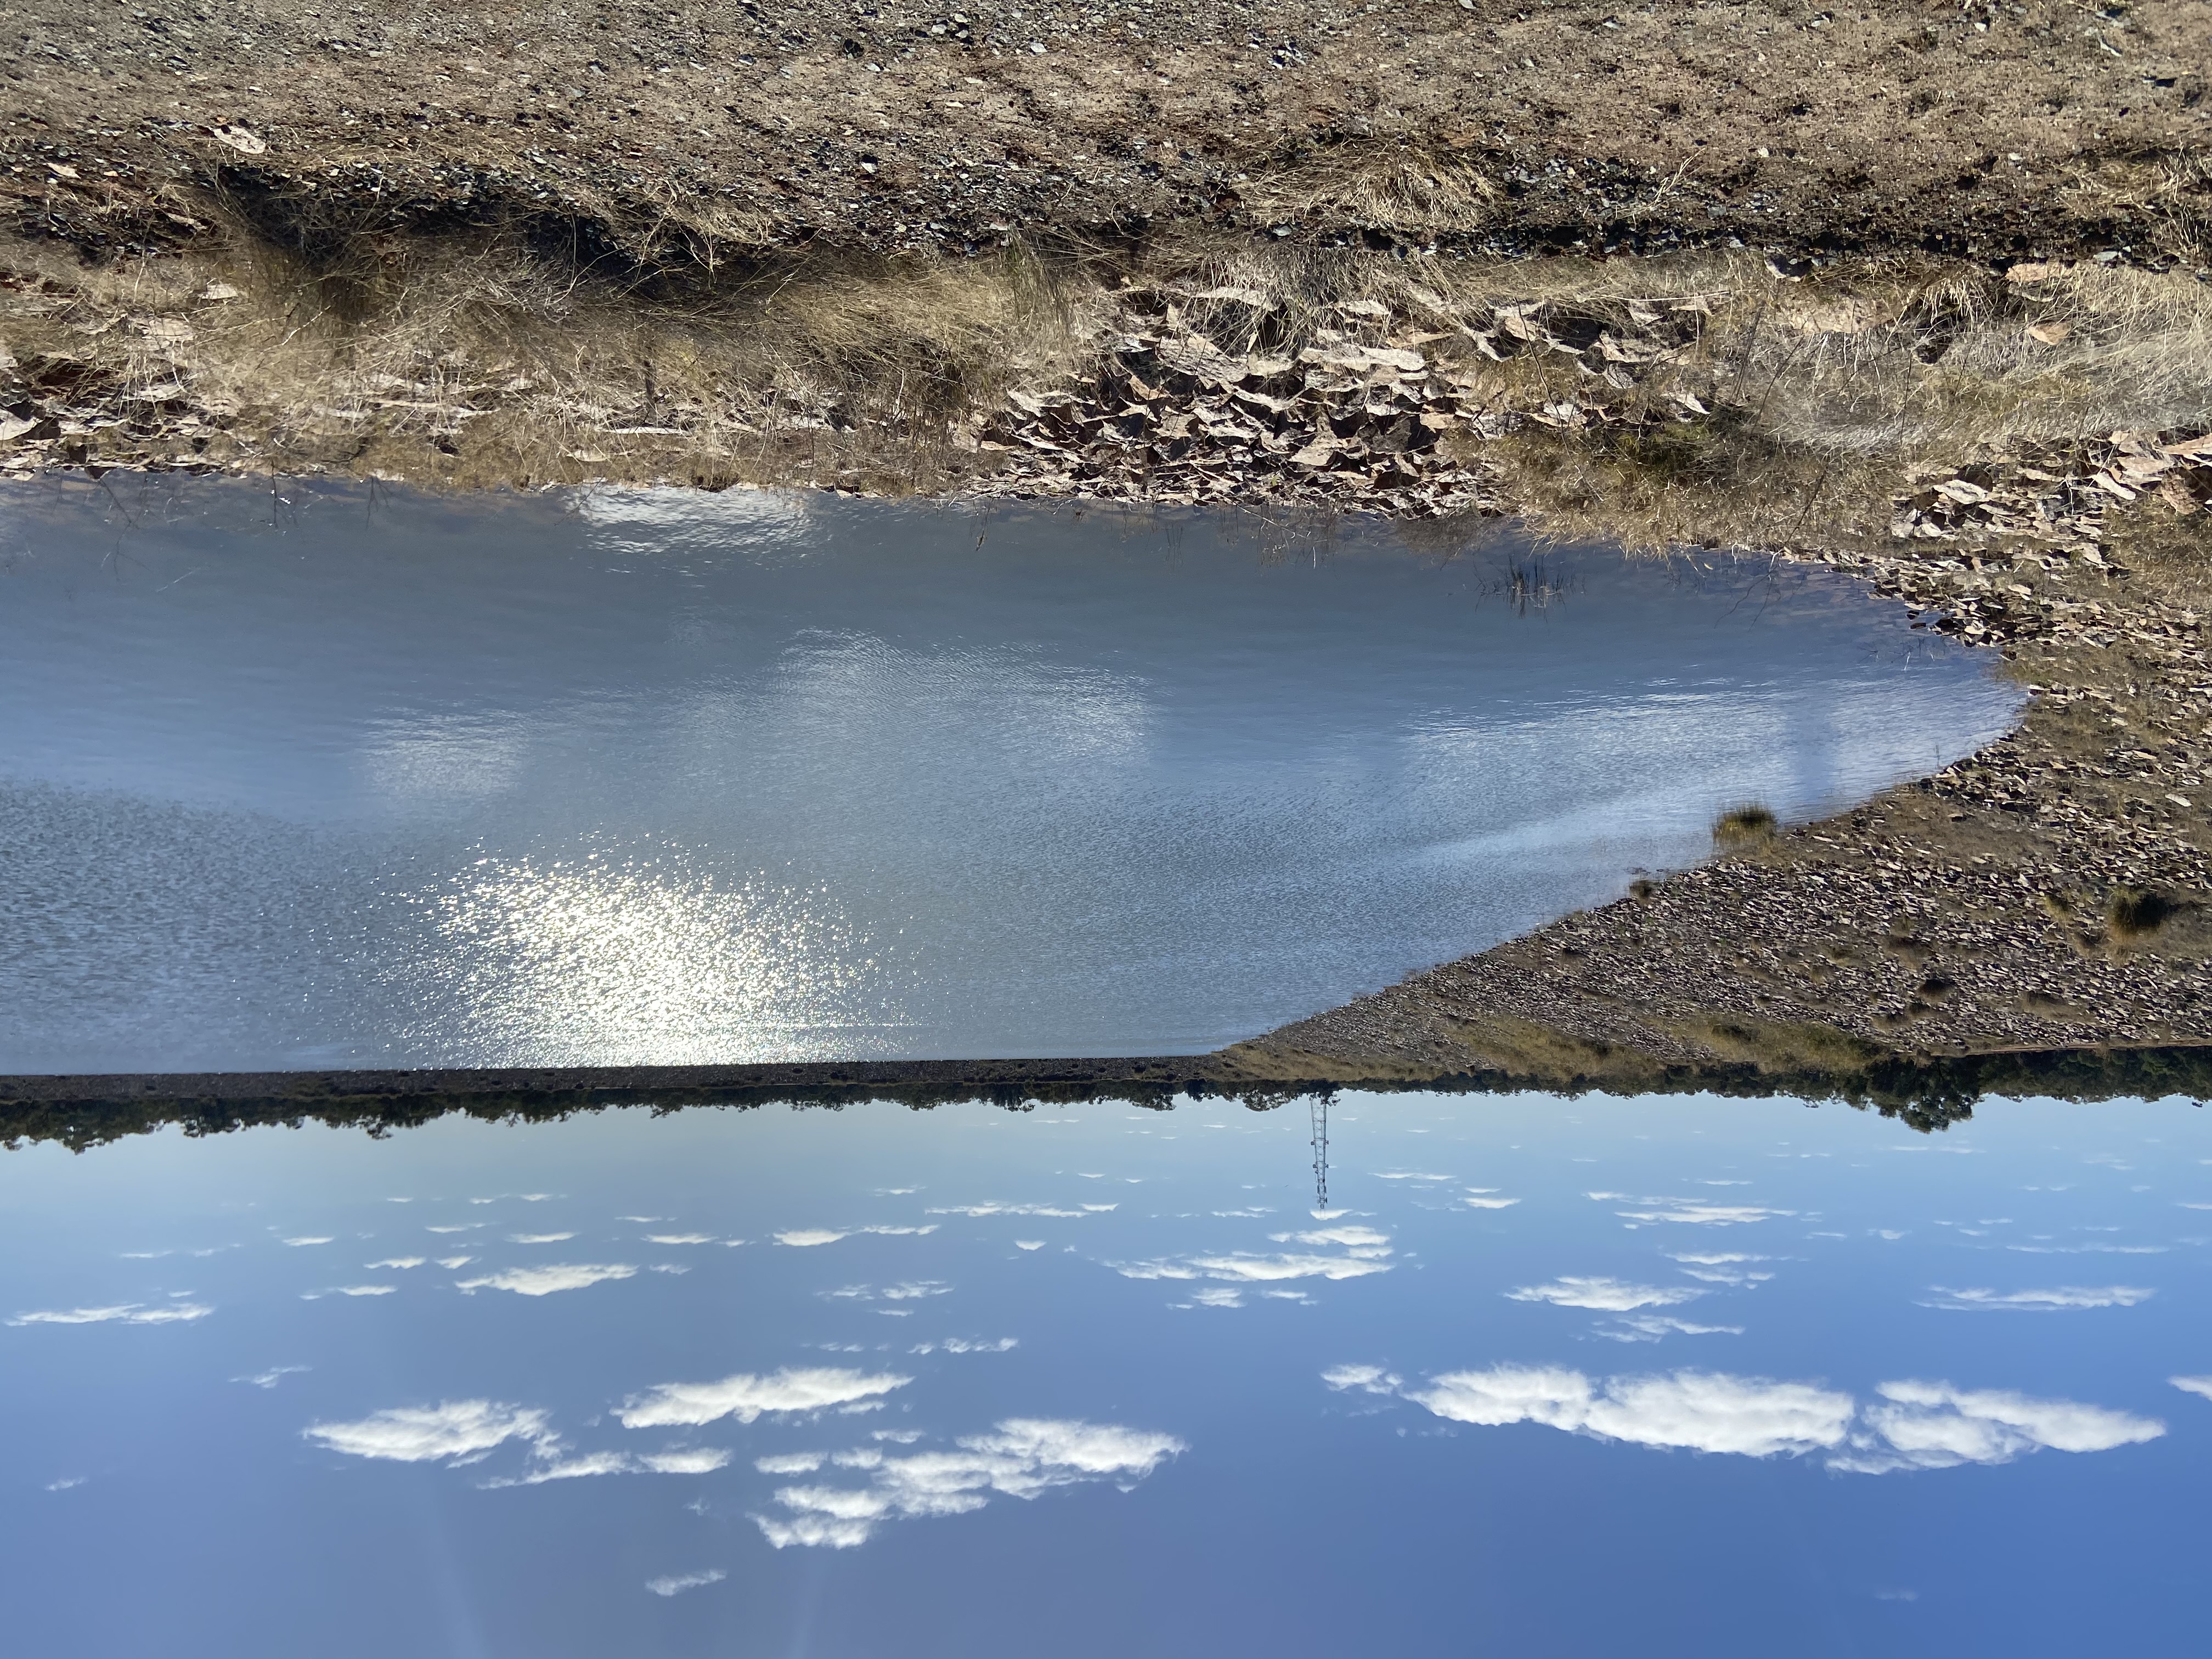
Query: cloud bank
(462, 1432)
(1913, 1424)
(803, 1236)
(1933, 1425)
(458, 1430)
(543, 1281)
(1022, 1458)
(1365, 1251)
(1604, 1295)
(2057, 1299)
(125, 1313)
(747, 1397)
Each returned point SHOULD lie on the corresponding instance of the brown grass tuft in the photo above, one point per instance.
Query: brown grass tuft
(1743, 825)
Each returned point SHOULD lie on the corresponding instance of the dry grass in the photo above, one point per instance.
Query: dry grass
(1745, 825)
(372, 351)
(1408, 192)
(1744, 406)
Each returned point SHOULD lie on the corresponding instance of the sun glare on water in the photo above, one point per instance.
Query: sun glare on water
(639, 957)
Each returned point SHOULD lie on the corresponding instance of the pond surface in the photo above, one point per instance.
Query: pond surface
(333, 778)
(1684, 1376)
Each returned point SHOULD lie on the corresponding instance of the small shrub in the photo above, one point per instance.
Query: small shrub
(1742, 824)
(2136, 912)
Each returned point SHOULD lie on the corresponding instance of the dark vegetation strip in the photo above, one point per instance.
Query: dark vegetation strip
(86, 1111)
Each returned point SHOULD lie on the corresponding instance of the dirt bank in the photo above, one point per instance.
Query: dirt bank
(1991, 129)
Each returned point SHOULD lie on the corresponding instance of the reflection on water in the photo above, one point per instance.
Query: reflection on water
(1678, 1377)
(630, 777)
(569, 960)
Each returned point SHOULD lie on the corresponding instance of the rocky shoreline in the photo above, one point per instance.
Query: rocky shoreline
(2050, 891)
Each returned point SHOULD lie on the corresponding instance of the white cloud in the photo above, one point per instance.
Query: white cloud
(912, 1290)
(971, 1345)
(540, 1238)
(1933, 1425)
(543, 1281)
(1605, 1295)
(686, 1460)
(557, 1467)
(679, 1238)
(747, 1397)
(395, 1261)
(790, 1463)
(1354, 1239)
(2194, 1384)
(1264, 1269)
(677, 1583)
(457, 1429)
(1913, 1425)
(272, 1376)
(1478, 1200)
(1407, 1175)
(356, 1290)
(1014, 1209)
(1217, 1296)
(1371, 1379)
(1696, 1213)
(1721, 1266)
(2049, 1301)
(1650, 1327)
(803, 1236)
(125, 1313)
(1699, 1410)
(1023, 1458)
(296, 1243)
(1029, 1244)
(450, 1262)
(1364, 1251)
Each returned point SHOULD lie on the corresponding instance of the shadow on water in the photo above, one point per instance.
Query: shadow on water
(1925, 1095)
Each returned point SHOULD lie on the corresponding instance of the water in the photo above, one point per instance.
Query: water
(342, 778)
(1694, 1378)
